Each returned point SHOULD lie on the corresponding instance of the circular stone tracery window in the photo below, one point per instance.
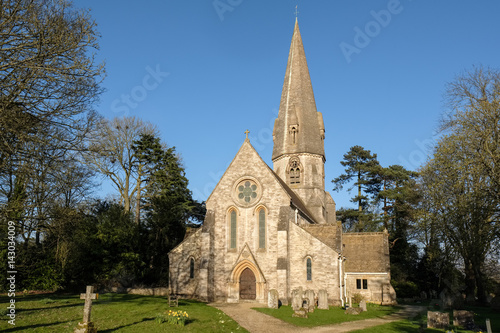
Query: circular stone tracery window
(246, 192)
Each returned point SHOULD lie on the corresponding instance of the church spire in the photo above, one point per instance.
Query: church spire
(299, 127)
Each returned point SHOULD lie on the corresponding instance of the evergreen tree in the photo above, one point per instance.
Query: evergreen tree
(166, 201)
(361, 167)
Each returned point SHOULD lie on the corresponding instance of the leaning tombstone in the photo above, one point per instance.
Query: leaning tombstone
(488, 326)
(296, 299)
(87, 326)
(463, 318)
(322, 299)
(272, 299)
(310, 295)
(362, 305)
(437, 319)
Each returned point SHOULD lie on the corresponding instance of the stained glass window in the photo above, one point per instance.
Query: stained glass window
(233, 230)
(247, 192)
(309, 269)
(262, 229)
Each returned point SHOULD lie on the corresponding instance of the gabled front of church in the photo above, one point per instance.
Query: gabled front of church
(276, 228)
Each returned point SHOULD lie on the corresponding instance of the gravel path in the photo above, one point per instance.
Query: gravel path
(256, 322)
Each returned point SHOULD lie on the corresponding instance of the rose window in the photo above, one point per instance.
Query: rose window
(247, 192)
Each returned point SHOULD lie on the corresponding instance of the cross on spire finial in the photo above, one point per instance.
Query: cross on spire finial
(296, 11)
(246, 133)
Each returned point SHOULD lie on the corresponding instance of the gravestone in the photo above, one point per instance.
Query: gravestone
(273, 299)
(423, 295)
(310, 295)
(450, 300)
(362, 306)
(322, 299)
(296, 299)
(437, 319)
(300, 313)
(488, 326)
(87, 326)
(463, 318)
(353, 311)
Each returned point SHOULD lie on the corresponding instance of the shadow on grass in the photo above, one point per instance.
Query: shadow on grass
(27, 310)
(128, 325)
(31, 327)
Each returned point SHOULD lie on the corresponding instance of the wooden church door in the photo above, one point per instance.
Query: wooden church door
(247, 284)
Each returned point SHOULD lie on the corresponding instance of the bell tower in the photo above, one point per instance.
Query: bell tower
(299, 133)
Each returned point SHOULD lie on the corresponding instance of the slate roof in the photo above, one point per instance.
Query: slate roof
(366, 252)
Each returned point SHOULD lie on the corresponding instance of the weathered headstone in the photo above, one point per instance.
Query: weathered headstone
(488, 325)
(300, 313)
(296, 299)
(463, 318)
(362, 305)
(423, 295)
(350, 301)
(353, 311)
(310, 295)
(450, 299)
(322, 299)
(437, 319)
(87, 326)
(273, 299)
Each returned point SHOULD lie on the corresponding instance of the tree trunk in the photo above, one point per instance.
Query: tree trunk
(470, 283)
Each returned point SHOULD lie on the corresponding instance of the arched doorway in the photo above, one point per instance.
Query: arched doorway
(247, 284)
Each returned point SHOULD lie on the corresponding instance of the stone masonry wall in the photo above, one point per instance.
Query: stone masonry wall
(324, 264)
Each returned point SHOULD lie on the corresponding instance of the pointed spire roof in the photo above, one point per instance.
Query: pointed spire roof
(298, 128)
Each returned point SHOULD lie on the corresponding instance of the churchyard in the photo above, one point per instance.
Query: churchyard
(137, 313)
(110, 313)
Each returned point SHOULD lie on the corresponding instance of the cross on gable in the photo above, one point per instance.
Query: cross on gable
(88, 297)
(246, 133)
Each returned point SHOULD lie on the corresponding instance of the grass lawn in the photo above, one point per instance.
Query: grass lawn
(413, 326)
(334, 315)
(110, 313)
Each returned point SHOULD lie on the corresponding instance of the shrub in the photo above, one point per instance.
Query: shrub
(357, 297)
(405, 289)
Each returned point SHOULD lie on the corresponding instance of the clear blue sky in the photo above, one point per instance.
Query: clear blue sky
(226, 63)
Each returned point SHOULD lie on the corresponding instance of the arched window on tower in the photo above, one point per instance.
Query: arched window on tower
(294, 176)
(309, 269)
(294, 170)
(262, 229)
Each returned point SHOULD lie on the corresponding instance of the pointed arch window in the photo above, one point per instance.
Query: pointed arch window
(232, 243)
(309, 269)
(262, 229)
(294, 170)
(294, 176)
(191, 268)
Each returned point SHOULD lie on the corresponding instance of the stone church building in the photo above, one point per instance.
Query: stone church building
(276, 228)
